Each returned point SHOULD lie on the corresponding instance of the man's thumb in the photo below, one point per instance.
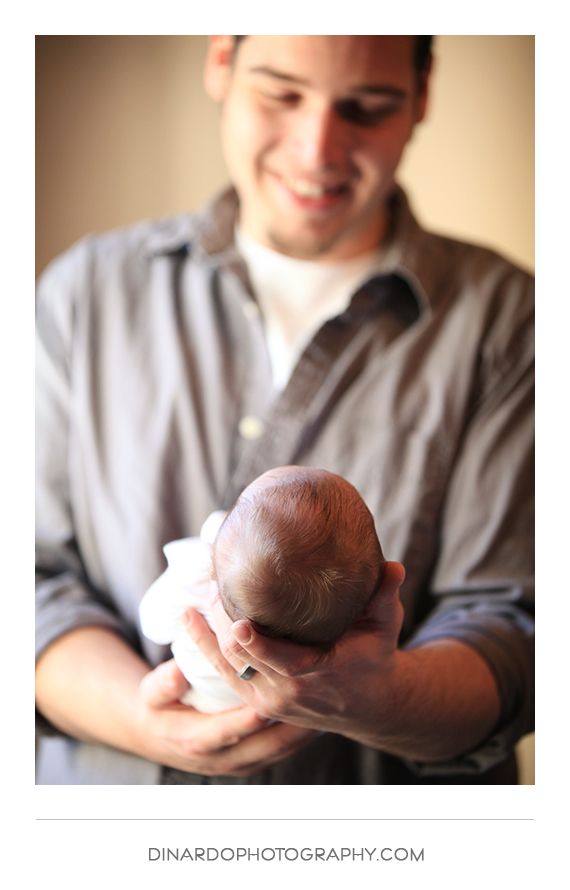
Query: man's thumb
(164, 685)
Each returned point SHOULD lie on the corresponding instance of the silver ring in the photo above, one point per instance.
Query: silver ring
(246, 672)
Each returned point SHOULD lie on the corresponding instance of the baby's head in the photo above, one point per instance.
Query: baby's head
(298, 555)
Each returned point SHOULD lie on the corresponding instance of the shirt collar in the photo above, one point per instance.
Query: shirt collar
(411, 252)
(209, 232)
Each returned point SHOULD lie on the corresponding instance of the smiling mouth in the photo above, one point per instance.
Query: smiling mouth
(311, 190)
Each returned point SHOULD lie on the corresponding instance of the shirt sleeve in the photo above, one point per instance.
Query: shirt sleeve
(64, 598)
(484, 580)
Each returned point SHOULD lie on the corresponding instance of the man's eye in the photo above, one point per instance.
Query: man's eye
(280, 98)
(354, 111)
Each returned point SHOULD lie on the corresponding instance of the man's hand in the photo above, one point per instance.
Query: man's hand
(431, 703)
(297, 684)
(91, 685)
(236, 742)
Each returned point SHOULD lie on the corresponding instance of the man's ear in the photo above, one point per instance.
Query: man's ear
(217, 70)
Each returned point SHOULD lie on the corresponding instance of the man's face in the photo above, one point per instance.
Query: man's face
(313, 128)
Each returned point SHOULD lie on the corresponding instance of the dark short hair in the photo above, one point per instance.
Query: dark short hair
(422, 50)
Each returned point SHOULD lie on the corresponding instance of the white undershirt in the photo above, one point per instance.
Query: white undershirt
(297, 296)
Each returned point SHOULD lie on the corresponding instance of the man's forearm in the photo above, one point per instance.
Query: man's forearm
(87, 683)
(443, 702)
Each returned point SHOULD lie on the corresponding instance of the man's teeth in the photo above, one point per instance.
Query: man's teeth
(305, 189)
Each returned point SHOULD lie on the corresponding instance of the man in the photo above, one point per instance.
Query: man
(172, 373)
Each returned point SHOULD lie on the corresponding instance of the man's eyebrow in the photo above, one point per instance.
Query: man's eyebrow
(380, 90)
(267, 71)
(365, 89)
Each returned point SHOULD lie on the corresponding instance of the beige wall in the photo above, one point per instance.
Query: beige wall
(124, 132)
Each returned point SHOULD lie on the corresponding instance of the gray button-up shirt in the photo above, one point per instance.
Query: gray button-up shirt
(156, 407)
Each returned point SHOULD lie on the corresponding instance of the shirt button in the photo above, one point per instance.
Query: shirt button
(251, 427)
(251, 310)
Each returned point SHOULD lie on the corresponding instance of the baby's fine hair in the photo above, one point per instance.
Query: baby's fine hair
(299, 557)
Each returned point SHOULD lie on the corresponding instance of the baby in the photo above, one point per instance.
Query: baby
(298, 555)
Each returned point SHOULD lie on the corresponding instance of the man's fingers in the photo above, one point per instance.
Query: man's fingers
(275, 743)
(225, 646)
(241, 644)
(287, 659)
(229, 728)
(207, 642)
(164, 685)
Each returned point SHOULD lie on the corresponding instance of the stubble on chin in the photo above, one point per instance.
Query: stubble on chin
(314, 250)
(334, 245)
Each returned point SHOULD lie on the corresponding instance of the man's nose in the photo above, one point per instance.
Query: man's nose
(320, 139)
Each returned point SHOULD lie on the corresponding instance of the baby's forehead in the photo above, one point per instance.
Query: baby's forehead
(274, 474)
(283, 483)
(269, 479)
(297, 474)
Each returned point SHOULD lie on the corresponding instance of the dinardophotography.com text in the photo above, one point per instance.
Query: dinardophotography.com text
(285, 854)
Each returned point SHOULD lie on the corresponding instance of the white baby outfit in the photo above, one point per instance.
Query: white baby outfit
(186, 583)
